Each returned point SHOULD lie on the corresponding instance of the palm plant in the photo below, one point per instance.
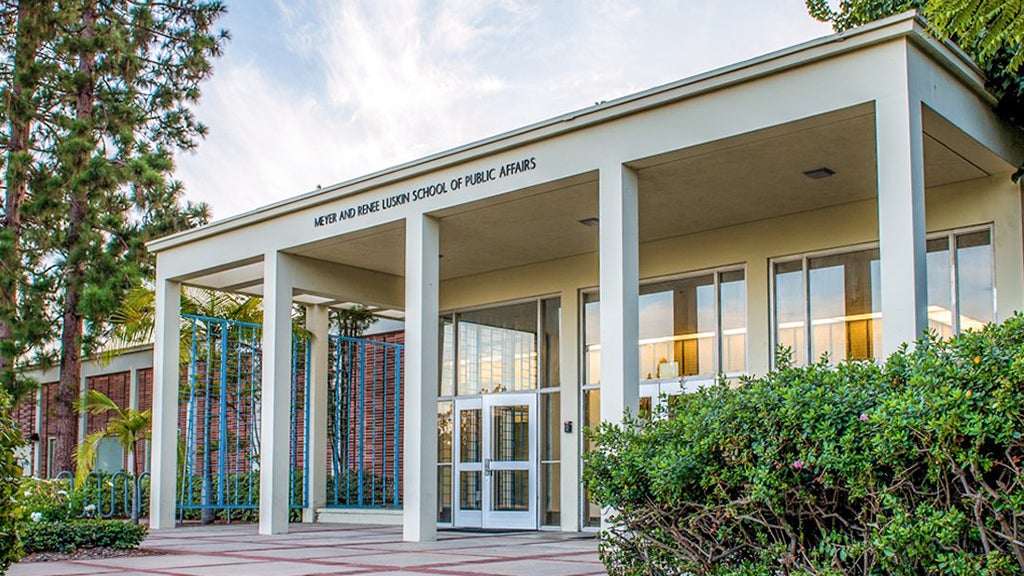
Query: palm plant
(128, 426)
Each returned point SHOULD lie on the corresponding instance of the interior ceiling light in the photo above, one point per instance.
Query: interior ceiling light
(589, 222)
(819, 173)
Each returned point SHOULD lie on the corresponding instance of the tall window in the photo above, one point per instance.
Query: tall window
(693, 326)
(831, 304)
(961, 291)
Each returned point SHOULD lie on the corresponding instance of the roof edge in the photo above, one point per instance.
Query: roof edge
(907, 24)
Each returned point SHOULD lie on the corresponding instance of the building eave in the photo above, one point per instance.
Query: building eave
(909, 25)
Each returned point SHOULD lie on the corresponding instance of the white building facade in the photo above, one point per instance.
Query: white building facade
(838, 197)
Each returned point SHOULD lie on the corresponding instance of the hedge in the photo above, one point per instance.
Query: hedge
(10, 472)
(46, 536)
(907, 468)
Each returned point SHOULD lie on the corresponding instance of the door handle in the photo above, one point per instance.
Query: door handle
(487, 466)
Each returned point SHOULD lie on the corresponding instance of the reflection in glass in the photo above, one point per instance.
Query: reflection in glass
(551, 311)
(446, 384)
(551, 494)
(688, 327)
(974, 279)
(591, 418)
(845, 307)
(592, 339)
(469, 435)
(789, 309)
(444, 432)
(732, 293)
(444, 493)
(469, 490)
(497, 349)
(510, 490)
(550, 437)
(940, 288)
(510, 433)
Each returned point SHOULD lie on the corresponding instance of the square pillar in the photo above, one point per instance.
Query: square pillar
(276, 401)
(569, 375)
(164, 466)
(316, 411)
(419, 433)
(901, 219)
(620, 293)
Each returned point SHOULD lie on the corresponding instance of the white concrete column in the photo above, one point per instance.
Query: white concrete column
(901, 219)
(276, 401)
(620, 293)
(569, 353)
(419, 434)
(759, 340)
(164, 465)
(316, 411)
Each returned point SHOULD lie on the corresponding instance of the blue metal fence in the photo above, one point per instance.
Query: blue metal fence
(219, 419)
(364, 423)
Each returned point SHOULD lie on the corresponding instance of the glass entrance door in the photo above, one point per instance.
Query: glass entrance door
(496, 462)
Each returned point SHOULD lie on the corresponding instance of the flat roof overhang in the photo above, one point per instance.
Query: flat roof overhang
(743, 177)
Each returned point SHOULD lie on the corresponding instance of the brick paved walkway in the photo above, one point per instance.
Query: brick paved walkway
(320, 549)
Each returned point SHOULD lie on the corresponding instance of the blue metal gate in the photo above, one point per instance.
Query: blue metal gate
(364, 423)
(219, 421)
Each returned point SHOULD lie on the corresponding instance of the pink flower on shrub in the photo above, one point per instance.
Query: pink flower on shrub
(864, 417)
(798, 464)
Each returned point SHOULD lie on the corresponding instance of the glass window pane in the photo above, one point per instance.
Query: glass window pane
(510, 433)
(789, 309)
(497, 349)
(444, 493)
(592, 339)
(733, 309)
(846, 318)
(469, 490)
(974, 279)
(591, 418)
(469, 435)
(551, 494)
(510, 490)
(444, 431)
(940, 290)
(446, 385)
(551, 309)
(550, 418)
(678, 328)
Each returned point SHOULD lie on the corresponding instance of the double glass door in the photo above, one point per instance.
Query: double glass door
(496, 461)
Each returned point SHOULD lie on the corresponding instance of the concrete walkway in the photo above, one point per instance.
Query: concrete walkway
(236, 550)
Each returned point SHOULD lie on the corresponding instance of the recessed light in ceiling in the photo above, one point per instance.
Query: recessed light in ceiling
(589, 222)
(819, 173)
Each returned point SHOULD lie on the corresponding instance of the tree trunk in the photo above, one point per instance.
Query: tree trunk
(74, 267)
(20, 114)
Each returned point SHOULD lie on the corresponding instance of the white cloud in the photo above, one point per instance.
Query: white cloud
(325, 90)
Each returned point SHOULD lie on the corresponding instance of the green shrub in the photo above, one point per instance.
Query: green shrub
(46, 536)
(48, 499)
(10, 472)
(906, 468)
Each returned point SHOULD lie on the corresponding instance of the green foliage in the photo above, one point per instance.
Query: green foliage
(990, 31)
(908, 468)
(47, 536)
(10, 472)
(52, 500)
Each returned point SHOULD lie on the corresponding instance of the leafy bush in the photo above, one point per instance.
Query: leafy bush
(46, 536)
(49, 499)
(912, 467)
(10, 472)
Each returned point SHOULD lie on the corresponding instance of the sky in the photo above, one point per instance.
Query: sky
(316, 92)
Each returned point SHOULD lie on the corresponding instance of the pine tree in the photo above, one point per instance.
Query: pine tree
(99, 100)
